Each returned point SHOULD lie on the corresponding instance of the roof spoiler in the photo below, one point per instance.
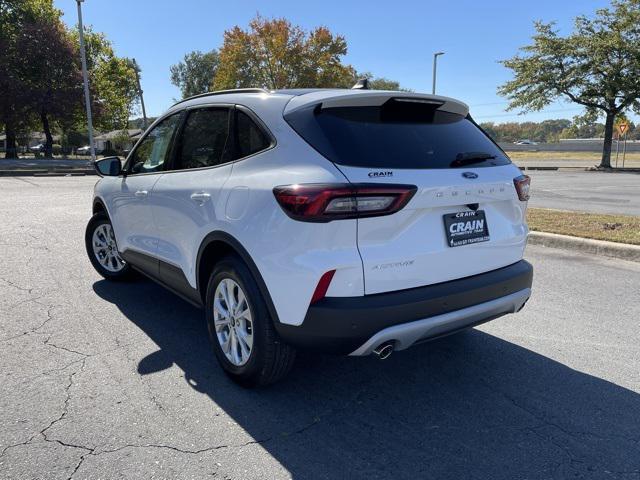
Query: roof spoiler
(376, 98)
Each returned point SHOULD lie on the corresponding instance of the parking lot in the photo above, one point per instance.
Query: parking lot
(616, 193)
(102, 380)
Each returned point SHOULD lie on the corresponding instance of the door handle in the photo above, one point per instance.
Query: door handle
(200, 197)
(141, 193)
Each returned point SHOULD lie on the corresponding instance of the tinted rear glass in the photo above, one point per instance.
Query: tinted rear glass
(250, 138)
(398, 134)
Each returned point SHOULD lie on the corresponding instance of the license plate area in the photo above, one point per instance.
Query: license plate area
(465, 228)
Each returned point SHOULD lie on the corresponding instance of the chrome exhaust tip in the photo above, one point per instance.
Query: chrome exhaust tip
(384, 350)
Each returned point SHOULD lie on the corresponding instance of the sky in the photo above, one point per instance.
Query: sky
(393, 39)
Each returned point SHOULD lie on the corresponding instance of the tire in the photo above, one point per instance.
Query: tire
(269, 358)
(111, 267)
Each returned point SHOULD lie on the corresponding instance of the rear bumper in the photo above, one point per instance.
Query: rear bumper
(356, 325)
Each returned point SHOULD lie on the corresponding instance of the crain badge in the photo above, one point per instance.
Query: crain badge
(388, 173)
(470, 175)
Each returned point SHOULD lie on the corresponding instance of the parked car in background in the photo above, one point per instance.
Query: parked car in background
(349, 221)
(526, 142)
(86, 150)
(37, 148)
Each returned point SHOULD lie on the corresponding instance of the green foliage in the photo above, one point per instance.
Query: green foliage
(40, 77)
(546, 131)
(51, 76)
(139, 122)
(597, 66)
(275, 54)
(121, 141)
(194, 75)
(379, 83)
(75, 139)
(15, 113)
(550, 131)
(114, 89)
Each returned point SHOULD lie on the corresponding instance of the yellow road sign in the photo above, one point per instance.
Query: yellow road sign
(622, 128)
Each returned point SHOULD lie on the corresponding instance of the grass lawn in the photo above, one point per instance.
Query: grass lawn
(613, 228)
(595, 156)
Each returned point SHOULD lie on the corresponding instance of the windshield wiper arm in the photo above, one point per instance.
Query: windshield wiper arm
(468, 158)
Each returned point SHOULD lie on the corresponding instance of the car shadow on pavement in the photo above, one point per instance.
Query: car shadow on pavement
(467, 406)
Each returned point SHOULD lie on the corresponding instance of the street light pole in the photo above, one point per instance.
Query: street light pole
(435, 66)
(85, 78)
(144, 112)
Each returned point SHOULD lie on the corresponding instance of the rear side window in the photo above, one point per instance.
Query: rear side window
(397, 134)
(203, 142)
(251, 138)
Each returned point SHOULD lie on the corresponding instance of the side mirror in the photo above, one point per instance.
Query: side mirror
(108, 167)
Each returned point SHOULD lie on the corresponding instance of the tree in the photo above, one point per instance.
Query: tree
(112, 79)
(597, 66)
(379, 83)
(545, 131)
(14, 15)
(275, 54)
(52, 76)
(195, 74)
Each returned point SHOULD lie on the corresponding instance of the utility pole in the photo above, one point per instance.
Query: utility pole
(144, 112)
(435, 67)
(85, 78)
(624, 148)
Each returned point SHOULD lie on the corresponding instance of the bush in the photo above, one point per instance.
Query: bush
(56, 149)
(76, 139)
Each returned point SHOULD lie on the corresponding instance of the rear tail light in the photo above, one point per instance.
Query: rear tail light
(327, 202)
(522, 184)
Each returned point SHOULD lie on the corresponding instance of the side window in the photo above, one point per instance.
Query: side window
(153, 151)
(204, 138)
(251, 138)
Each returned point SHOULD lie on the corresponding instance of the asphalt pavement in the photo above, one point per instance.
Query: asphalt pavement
(117, 380)
(596, 192)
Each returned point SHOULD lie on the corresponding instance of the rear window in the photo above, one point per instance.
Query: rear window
(398, 134)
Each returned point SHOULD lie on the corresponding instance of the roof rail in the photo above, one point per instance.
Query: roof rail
(222, 92)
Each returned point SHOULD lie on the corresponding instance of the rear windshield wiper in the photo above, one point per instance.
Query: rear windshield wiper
(468, 158)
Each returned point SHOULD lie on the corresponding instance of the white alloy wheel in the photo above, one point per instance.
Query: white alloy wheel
(105, 249)
(233, 321)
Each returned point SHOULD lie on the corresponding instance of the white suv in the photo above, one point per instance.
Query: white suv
(349, 221)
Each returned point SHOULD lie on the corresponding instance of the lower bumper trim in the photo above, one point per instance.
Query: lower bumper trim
(407, 334)
(343, 324)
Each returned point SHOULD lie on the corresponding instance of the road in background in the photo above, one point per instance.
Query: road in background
(106, 380)
(576, 146)
(576, 164)
(597, 192)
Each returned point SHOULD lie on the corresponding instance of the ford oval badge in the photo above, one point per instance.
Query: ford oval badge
(470, 175)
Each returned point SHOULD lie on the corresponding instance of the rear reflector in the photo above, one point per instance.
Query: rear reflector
(327, 202)
(522, 184)
(323, 286)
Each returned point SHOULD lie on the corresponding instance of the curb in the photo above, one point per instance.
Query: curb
(622, 251)
(46, 173)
